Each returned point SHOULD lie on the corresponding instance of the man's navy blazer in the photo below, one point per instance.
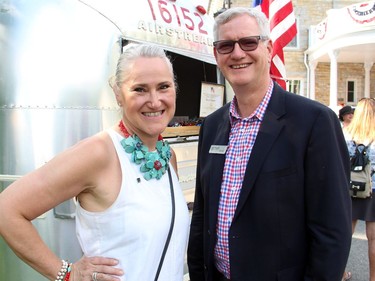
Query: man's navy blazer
(293, 218)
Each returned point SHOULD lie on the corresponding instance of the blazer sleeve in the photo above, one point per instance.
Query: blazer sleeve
(328, 204)
(195, 254)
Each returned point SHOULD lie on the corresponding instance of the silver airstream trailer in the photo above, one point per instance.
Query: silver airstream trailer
(55, 60)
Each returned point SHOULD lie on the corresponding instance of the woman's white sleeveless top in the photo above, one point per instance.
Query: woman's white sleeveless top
(134, 229)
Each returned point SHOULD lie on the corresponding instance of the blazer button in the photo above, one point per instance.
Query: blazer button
(208, 232)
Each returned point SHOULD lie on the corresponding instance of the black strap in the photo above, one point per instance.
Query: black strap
(170, 228)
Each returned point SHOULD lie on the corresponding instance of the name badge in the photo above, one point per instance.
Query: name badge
(218, 149)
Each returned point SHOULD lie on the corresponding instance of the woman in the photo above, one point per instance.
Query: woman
(121, 183)
(361, 130)
(346, 115)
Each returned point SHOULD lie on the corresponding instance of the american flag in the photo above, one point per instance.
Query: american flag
(283, 29)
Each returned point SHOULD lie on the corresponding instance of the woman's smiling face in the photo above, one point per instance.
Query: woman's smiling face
(148, 96)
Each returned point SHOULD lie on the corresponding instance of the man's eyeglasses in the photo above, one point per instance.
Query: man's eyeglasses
(246, 44)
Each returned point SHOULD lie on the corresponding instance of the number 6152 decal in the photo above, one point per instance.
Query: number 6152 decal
(170, 13)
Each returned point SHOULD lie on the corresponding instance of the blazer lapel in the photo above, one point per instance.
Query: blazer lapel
(267, 135)
(217, 166)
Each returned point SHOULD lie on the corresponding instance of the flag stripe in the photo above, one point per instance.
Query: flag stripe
(279, 64)
(281, 21)
(283, 29)
(277, 5)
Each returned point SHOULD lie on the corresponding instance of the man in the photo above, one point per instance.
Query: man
(271, 200)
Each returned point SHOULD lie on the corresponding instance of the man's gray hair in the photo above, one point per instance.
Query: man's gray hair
(226, 16)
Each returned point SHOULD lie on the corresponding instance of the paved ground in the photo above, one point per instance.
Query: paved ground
(358, 259)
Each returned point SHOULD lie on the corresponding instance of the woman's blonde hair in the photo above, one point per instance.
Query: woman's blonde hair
(362, 127)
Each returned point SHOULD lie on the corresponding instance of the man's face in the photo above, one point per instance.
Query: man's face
(244, 68)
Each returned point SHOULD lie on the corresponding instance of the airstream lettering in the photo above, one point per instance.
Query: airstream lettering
(171, 32)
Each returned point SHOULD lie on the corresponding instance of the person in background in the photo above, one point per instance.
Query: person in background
(122, 179)
(346, 115)
(271, 201)
(361, 130)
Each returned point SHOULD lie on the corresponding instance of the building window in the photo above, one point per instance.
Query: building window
(292, 45)
(350, 91)
(294, 86)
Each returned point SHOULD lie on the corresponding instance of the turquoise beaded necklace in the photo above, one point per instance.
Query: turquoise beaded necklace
(153, 164)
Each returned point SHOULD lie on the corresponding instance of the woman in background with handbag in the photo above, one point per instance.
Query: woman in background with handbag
(132, 219)
(361, 130)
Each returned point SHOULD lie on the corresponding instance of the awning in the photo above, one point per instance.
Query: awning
(348, 31)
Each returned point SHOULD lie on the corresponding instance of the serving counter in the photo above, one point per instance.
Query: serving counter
(184, 141)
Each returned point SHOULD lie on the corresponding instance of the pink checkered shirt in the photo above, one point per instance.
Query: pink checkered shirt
(241, 141)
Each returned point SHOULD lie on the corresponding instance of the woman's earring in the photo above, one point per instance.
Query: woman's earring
(119, 103)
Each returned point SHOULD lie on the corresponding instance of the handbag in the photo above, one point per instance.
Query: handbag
(360, 174)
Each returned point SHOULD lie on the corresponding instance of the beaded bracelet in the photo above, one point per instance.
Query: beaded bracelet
(63, 270)
(67, 276)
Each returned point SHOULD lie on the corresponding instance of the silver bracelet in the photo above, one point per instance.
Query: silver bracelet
(63, 271)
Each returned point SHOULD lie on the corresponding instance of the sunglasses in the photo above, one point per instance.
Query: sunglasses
(246, 44)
